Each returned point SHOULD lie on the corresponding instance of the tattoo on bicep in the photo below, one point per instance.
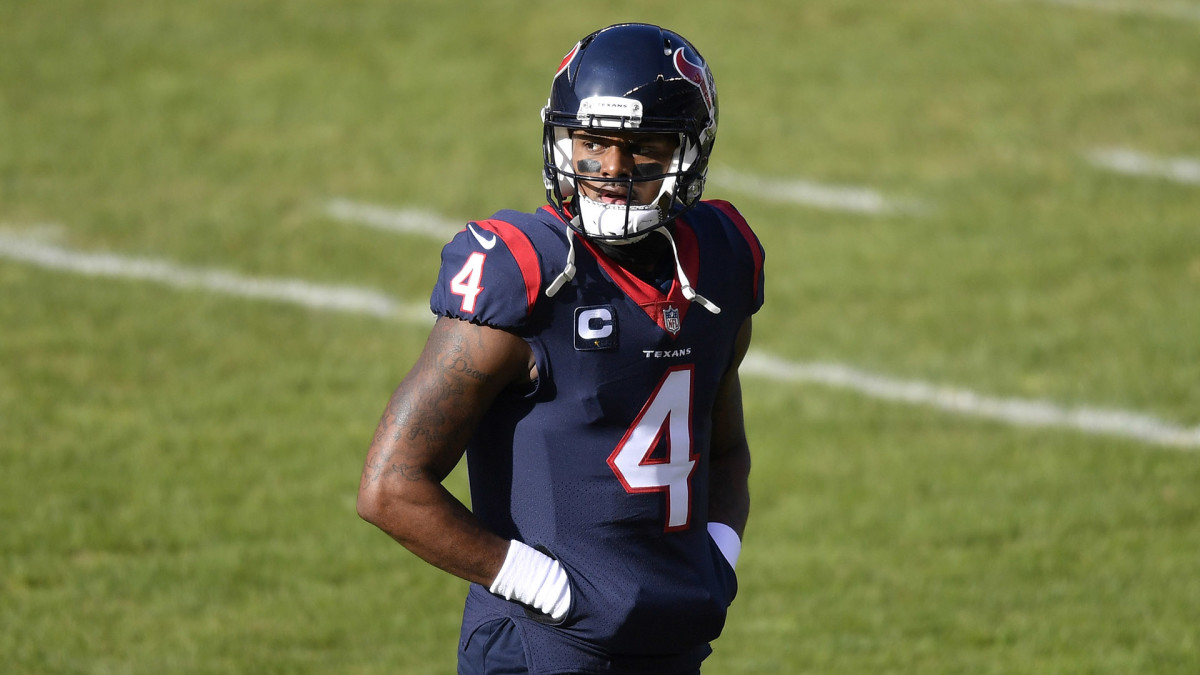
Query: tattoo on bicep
(435, 415)
(457, 359)
(407, 419)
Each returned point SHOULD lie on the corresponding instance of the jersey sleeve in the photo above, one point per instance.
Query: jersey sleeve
(490, 274)
(748, 242)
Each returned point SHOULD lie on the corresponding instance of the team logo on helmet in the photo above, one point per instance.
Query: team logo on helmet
(566, 62)
(697, 74)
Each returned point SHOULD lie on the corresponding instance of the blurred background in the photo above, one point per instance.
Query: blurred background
(973, 397)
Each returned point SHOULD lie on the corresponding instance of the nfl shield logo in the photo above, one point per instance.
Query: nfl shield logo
(671, 319)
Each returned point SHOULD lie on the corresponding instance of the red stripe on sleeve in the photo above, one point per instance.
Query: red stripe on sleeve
(523, 252)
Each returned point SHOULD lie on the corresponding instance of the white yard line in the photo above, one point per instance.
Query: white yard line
(810, 193)
(1013, 411)
(1174, 9)
(1133, 163)
(780, 191)
(293, 291)
(1020, 412)
(405, 221)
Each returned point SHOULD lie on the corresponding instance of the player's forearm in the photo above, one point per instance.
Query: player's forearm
(422, 436)
(416, 446)
(431, 523)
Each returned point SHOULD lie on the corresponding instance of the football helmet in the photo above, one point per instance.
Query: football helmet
(639, 78)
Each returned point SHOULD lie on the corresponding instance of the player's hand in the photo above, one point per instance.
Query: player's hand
(534, 579)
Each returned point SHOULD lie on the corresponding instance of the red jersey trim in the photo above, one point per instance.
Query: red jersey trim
(523, 252)
(647, 296)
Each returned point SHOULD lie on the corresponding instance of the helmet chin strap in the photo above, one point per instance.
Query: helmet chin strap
(688, 292)
(568, 272)
(593, 213)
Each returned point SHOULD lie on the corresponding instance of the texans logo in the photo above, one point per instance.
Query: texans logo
(697, 74)
(567, 60)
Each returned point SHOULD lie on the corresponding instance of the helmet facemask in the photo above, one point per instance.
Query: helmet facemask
(682, 182)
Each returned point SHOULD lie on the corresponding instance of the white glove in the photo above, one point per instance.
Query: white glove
(535, 579)
(727, 540)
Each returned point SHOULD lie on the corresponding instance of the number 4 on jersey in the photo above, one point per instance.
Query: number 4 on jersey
(466, 282)
(667, 414)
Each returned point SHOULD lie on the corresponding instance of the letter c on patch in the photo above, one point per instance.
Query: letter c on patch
(595, 328)
(594, 324)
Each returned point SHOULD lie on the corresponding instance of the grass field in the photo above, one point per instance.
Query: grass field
(178, 466)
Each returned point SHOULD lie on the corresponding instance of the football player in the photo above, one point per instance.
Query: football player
(585, 360)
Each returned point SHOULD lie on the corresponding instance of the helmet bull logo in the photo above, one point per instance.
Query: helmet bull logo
(566, 62)
(697, 74)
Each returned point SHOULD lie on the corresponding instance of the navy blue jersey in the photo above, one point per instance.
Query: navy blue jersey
(604, 464)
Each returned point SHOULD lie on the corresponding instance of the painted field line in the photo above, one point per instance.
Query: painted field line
(809, 193)
(1131, 162)
(1168, 8)
(293, 291)
(406, 221)
(1013, 411)
(1020, 412)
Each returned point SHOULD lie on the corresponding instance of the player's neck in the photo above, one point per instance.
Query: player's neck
(647, 259)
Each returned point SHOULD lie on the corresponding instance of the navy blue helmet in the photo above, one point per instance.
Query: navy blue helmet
(630, 77)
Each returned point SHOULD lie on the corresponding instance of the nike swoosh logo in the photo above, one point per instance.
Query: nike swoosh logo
(487, 242)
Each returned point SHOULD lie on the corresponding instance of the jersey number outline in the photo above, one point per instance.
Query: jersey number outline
(667, 414)
(466, 283)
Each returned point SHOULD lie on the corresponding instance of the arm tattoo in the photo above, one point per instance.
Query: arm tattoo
(381, 464)
(457, 359)
(433, 406)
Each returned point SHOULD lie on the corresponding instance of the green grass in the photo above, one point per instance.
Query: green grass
(178, 468)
